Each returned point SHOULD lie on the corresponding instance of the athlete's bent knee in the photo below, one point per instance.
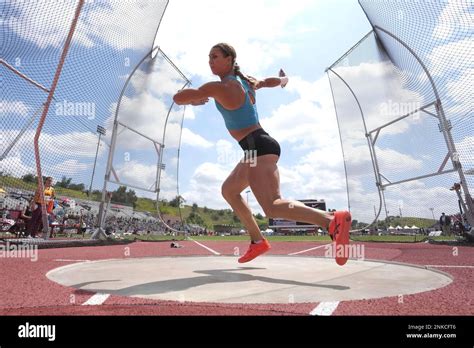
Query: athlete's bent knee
(228, 193)
(270, 211)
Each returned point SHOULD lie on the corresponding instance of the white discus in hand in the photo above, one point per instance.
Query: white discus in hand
(284, 78)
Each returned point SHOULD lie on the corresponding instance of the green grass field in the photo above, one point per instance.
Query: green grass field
(385, 239)
(399, 239)
(325, 239)
(234, 238)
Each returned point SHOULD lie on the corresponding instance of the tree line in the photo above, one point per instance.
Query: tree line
(120, 195)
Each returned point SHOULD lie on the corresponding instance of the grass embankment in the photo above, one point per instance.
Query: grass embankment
(206, 216)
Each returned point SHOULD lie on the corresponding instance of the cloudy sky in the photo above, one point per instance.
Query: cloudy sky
(303, 39)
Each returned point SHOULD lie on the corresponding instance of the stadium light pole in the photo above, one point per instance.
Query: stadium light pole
(247, 192)
(101, 131)
(432, 213)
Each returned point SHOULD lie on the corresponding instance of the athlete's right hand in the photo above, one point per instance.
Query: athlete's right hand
(200, 102)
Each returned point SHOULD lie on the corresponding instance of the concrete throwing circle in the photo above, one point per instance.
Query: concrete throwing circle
(267, 279)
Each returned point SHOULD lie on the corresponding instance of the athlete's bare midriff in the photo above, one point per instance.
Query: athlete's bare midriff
(239, 134)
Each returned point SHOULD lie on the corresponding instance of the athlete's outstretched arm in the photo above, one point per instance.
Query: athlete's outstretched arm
(271, 82)
(200, 96)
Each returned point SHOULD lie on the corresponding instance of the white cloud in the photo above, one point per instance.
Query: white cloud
(316, 178)
(189, 114)
(144, 114)
(413, 198)
(119, 24)
(382, 100)
(144, 176)
(465, 148)
(449, 57)
(14, 165)
(456, 16)
(163, 81)
(70, 166)
(194, 140)
(259, 39)
(146, 106)
(147, 115)
(391, 161)
(416, 197)
(460, 92)
(29, 22)
(304, 180)
(309, 121)
(135, 173)
(205, 186)
(14, 107)
(84, 144)
(363, 198)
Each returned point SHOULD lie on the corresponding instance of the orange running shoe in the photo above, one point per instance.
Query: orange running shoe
(339, 232)
(255, 250)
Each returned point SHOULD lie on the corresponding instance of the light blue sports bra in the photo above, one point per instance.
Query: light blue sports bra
(246, 115)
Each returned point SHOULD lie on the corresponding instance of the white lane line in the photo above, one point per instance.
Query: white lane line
(304, 251)
(325, 308)
(448, 266)
(205, 247)
(96, 300)
(66, 260)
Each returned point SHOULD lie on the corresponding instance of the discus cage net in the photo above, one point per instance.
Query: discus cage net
(85, 96)
(404, 105)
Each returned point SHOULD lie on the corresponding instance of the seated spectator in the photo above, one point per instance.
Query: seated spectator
(21, 223)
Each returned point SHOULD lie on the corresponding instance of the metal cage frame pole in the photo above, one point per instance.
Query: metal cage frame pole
(23, 76)
(42, 120)
(177, 167)
(340, 139)
(113, 142)
(378, 178)
(20, 133)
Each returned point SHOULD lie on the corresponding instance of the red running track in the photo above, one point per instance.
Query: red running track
(26, 290)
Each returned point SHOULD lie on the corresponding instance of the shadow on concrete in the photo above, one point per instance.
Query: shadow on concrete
(211, 277)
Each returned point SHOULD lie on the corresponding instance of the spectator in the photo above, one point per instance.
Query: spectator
(445, 223)
(48, 198)
(25, 217)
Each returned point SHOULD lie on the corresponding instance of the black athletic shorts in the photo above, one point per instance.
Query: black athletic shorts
(259, 143)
